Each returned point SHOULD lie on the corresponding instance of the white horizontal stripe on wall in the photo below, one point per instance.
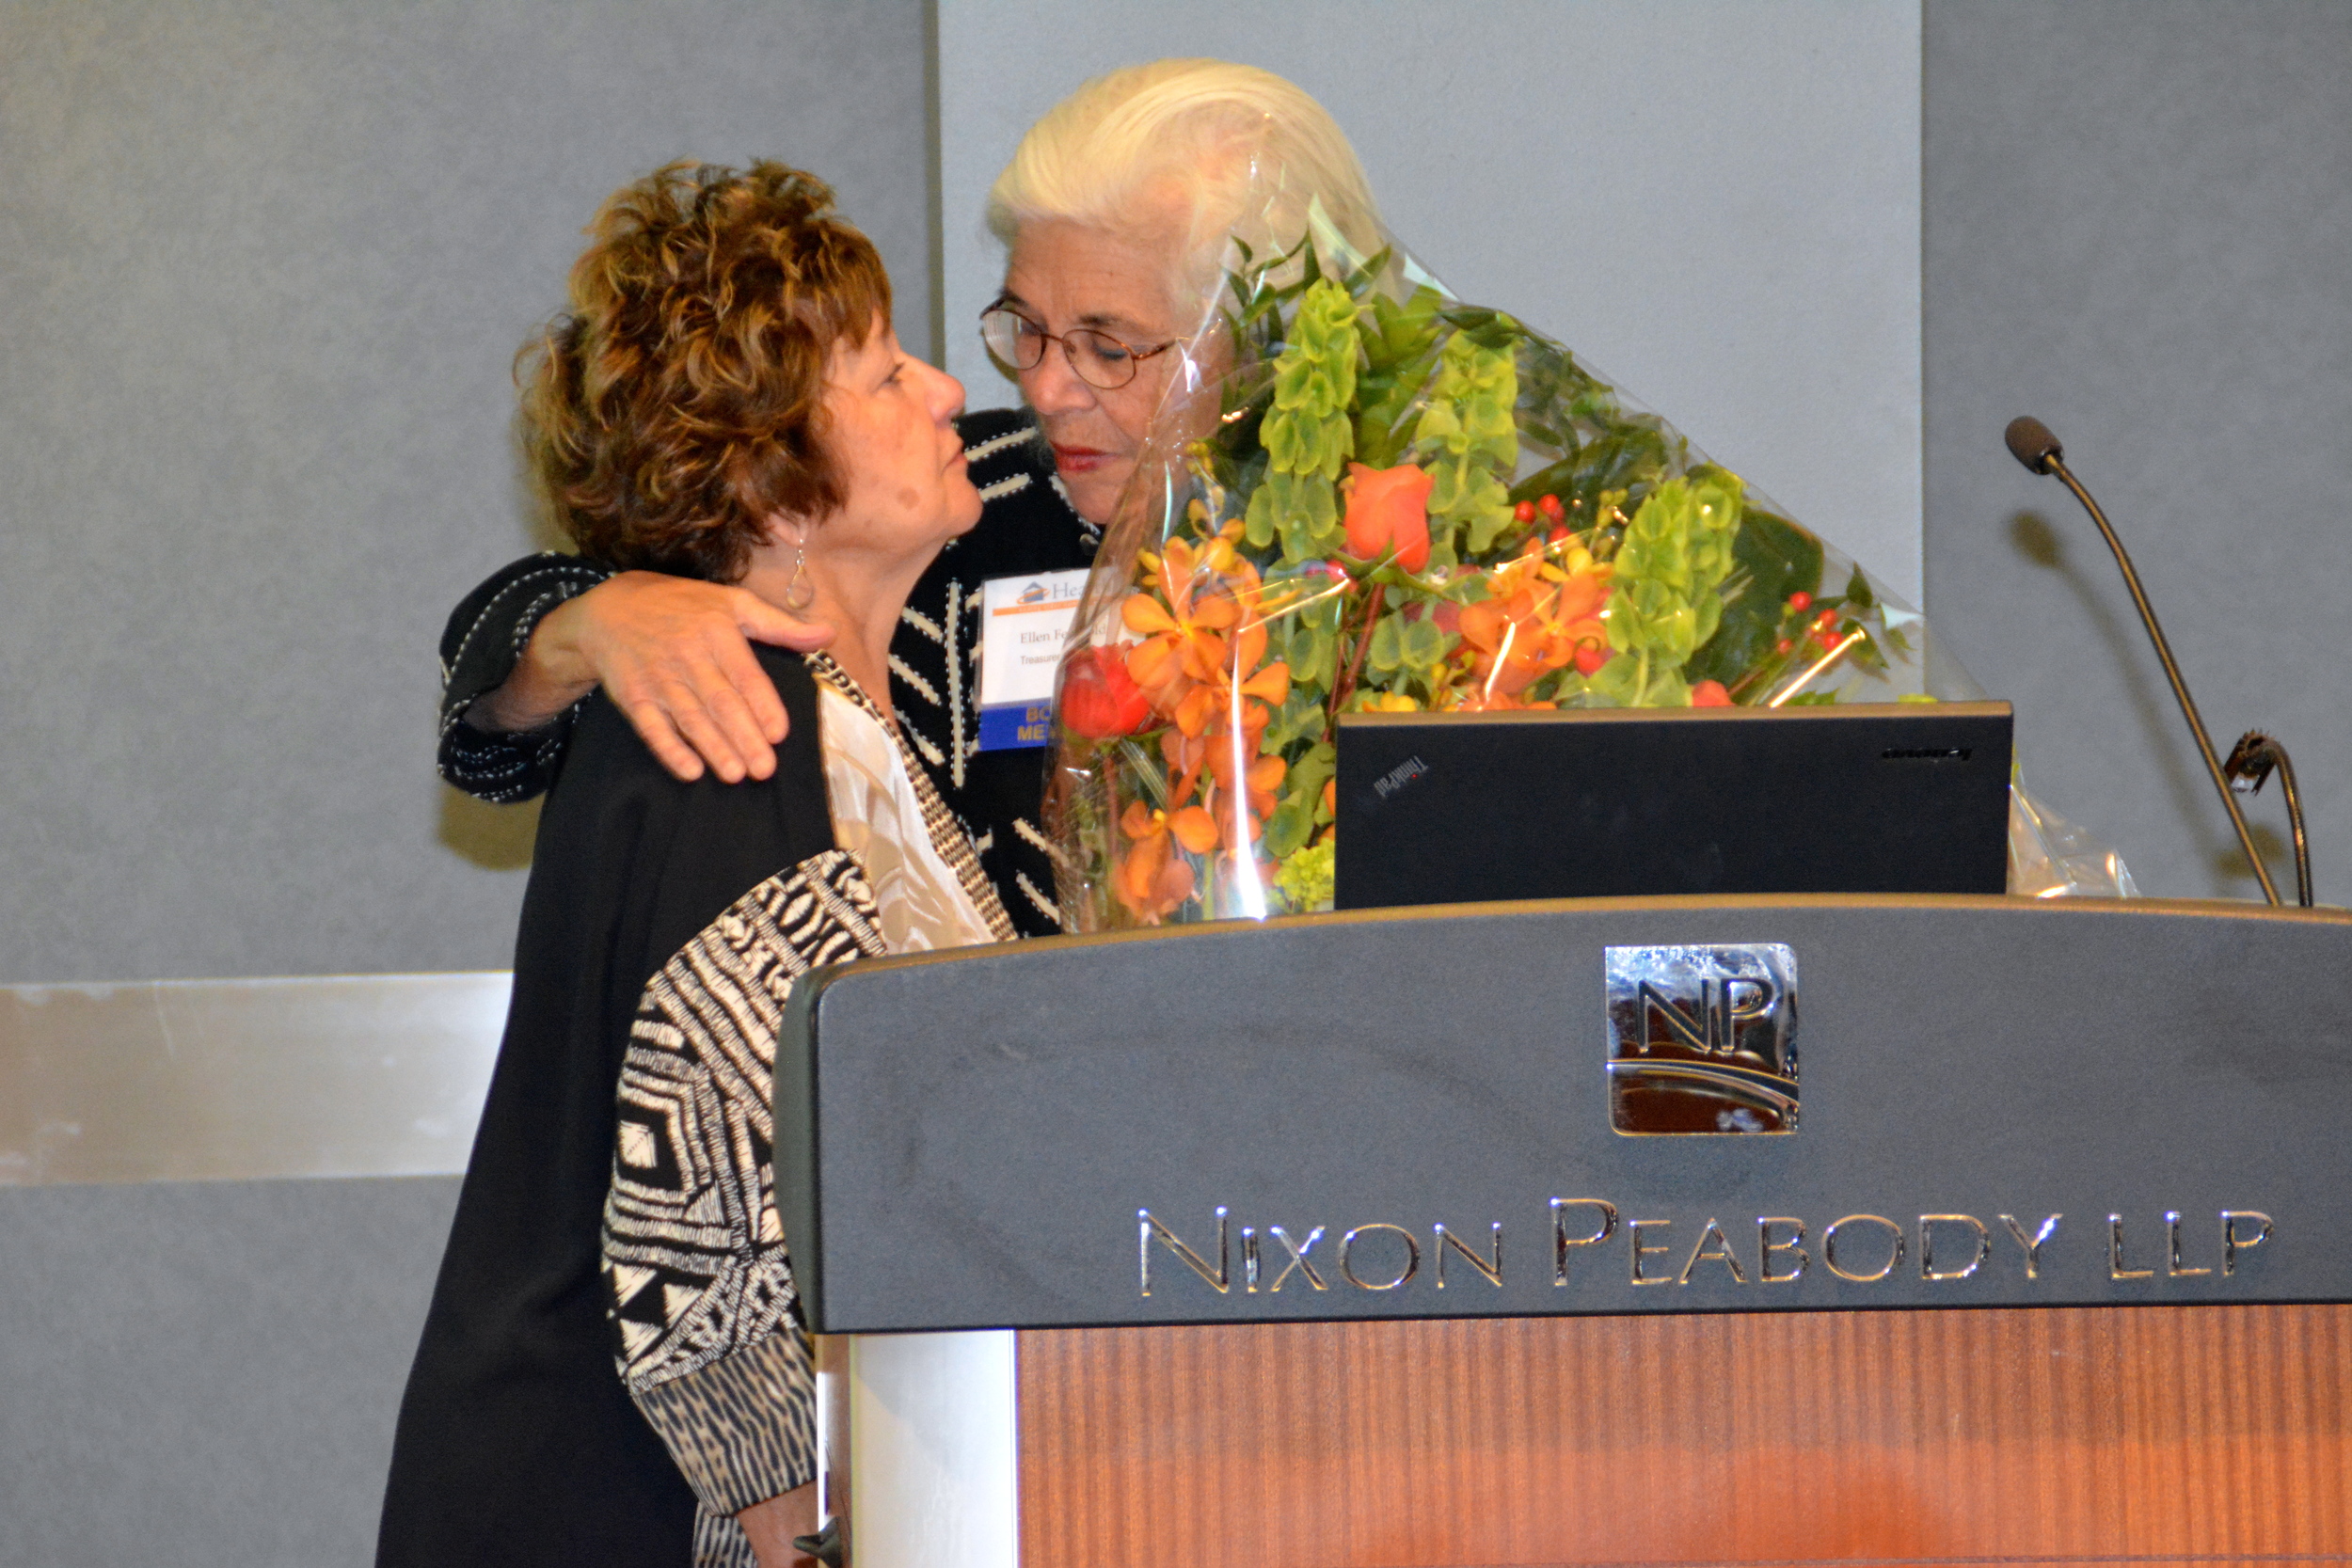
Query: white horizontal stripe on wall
(246, 1080)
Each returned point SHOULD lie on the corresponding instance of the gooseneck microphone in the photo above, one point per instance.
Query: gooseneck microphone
(2250, 765)
(2031, 443)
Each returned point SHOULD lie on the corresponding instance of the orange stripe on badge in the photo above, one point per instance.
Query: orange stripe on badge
(1032, 608)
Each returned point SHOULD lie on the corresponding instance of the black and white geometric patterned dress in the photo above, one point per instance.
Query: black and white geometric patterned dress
(701, 1279)
(617, 1208)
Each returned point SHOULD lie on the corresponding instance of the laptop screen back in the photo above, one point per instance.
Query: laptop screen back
(1615, 802)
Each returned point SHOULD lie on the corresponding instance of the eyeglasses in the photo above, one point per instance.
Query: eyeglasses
(1098, 359)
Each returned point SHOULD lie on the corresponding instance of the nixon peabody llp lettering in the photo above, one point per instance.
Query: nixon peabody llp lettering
(1592, 1239)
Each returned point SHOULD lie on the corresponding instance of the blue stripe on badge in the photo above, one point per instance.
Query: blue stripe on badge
(1015, 724)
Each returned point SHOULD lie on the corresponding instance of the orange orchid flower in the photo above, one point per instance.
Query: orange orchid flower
(1541, 615)
(1202, 621)
(1150, 880)
(1201, 617)
(1261, 777)
(1181, 615)
(1189, 755)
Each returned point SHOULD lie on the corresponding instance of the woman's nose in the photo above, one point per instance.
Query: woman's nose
(1051, 387)
(947, 400)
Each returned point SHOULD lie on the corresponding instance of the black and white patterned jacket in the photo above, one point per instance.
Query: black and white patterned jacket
(619, 1206)
(1026, 526)
(694, 1253)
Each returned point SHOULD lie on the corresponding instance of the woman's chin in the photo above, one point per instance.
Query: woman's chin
(1094, 492)
(963, 511)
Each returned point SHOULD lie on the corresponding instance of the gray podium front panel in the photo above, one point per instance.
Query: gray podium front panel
(968, 1141)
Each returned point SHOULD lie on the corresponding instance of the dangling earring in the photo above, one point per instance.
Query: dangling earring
(798, 592)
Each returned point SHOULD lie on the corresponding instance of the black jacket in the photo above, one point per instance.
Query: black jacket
(517, 1441)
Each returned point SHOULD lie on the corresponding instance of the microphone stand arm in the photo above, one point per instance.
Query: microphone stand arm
(2250, 764)
(2172, 673)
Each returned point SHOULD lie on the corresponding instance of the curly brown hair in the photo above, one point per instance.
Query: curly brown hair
(679, 403)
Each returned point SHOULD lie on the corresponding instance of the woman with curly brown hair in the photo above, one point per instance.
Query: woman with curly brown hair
(614, 1370)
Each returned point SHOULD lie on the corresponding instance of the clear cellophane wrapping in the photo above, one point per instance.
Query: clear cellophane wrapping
(1361, 493)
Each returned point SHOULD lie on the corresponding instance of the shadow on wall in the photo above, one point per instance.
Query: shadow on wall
(496, 838)
(2035, 539)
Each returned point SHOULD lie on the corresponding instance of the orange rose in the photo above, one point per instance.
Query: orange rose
(1388, 511)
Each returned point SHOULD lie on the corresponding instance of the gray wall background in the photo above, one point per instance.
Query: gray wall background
(205, 1375)
(2139, 228)
(264, 264)
(261, 266)
(1715, 201)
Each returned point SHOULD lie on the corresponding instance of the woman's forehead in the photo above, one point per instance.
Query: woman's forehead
(1084, 276)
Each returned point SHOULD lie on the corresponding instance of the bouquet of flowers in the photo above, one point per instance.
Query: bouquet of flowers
(1371, 496)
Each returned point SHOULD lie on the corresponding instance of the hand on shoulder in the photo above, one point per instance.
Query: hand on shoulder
(675, 655)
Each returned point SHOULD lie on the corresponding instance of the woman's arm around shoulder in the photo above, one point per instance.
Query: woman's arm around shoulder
(673, 653)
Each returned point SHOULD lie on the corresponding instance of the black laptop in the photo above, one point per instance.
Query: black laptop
(1443, 808)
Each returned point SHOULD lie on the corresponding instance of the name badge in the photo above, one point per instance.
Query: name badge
(1023, 623)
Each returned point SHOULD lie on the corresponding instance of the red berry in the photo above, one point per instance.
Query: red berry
(1783, 645)
(1524, 512)
(1825, 620)
(1800, 601)
(1560, 536)
(1550, 505)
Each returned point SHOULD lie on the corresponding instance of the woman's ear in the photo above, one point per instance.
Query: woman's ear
(786, 531)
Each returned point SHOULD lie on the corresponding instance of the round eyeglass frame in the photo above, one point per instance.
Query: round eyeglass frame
(1012, 335)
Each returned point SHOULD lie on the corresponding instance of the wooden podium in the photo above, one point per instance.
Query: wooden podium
(2018, 1234)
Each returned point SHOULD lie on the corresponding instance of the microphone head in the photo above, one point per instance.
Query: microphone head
(2031, 443)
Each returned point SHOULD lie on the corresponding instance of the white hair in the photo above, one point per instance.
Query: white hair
(1243, 154)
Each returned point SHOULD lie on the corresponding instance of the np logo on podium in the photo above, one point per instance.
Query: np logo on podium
(1701, 1039)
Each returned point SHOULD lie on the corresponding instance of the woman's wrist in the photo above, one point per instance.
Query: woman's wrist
(551, 676)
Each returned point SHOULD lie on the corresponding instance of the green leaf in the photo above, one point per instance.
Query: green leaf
(1424, 644)
(1490, 513)
(1311, 651)
(1557, 479)
(1615, 683)
(1387, 652)
(1309, 773)
(1258, 523)
(1300, 715)
(1298, 538)
(1288, 827)
(1773, 558)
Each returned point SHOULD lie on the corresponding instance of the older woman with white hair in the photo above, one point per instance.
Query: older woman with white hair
(1117, 213)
